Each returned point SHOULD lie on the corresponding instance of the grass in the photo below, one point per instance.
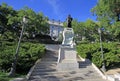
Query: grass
(4, 76)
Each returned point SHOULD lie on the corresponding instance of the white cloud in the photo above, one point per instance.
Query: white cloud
(57, 8)
(55, 5)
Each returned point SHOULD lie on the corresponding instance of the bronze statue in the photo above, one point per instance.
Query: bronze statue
(69, 21)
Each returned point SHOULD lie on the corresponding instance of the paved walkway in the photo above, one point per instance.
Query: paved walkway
(46, 69)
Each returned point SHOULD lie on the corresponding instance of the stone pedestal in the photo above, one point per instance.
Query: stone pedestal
(67, 59)
(66, 53)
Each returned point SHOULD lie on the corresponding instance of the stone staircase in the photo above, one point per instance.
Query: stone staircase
(113, 77)
(46, 70)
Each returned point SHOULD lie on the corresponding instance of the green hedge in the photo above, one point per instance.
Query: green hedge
(28, 54)
(93, 52)
(4, 77)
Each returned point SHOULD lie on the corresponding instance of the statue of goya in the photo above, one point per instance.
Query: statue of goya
(69, 21)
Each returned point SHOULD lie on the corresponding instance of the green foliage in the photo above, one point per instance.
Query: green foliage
(88, 31)
(3, 76)
(116, 30)
(85, 30)
(86, 50)
(11, 21)
(93, 52)
(28, 54)
(107, 12)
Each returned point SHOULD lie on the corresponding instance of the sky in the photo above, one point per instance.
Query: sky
(57, 9)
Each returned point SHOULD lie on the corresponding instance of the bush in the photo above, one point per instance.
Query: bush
(3, 79)
(86, 50)
(111, 53)
(83, 42)
(28, 54)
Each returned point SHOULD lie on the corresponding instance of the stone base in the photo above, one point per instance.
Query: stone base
(67, 59)
(67, 66)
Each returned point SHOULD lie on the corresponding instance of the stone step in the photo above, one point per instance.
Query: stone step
(84, 66)
(56, 79)
(54, 64)
(84, 63)
(55, 72)
(67, 74)
(44, 70)
(46, 65)
(68, 78)
(47, 62)
(50, 56)
(79, 78)
(48, 79)
(90, 69)
(49, 59)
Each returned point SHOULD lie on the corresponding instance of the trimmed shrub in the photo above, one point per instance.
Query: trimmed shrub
(111, 53)
(27, 55)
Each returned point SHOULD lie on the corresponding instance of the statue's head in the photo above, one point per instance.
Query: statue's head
(69, 15)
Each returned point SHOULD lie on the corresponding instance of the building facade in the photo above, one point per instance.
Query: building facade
(56, 28)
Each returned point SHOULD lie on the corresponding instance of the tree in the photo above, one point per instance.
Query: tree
(78, 29)
(91, 29)
(107, 10)
(85, 30)
(37, 23)
(115, 29)
(42, 26)
(108, 14)
(5, 13)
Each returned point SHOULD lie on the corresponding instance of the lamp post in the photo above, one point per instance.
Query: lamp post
(103, 62)
(13, 68)
(117, 9)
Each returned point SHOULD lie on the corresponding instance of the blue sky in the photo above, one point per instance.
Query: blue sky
(57, 9)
